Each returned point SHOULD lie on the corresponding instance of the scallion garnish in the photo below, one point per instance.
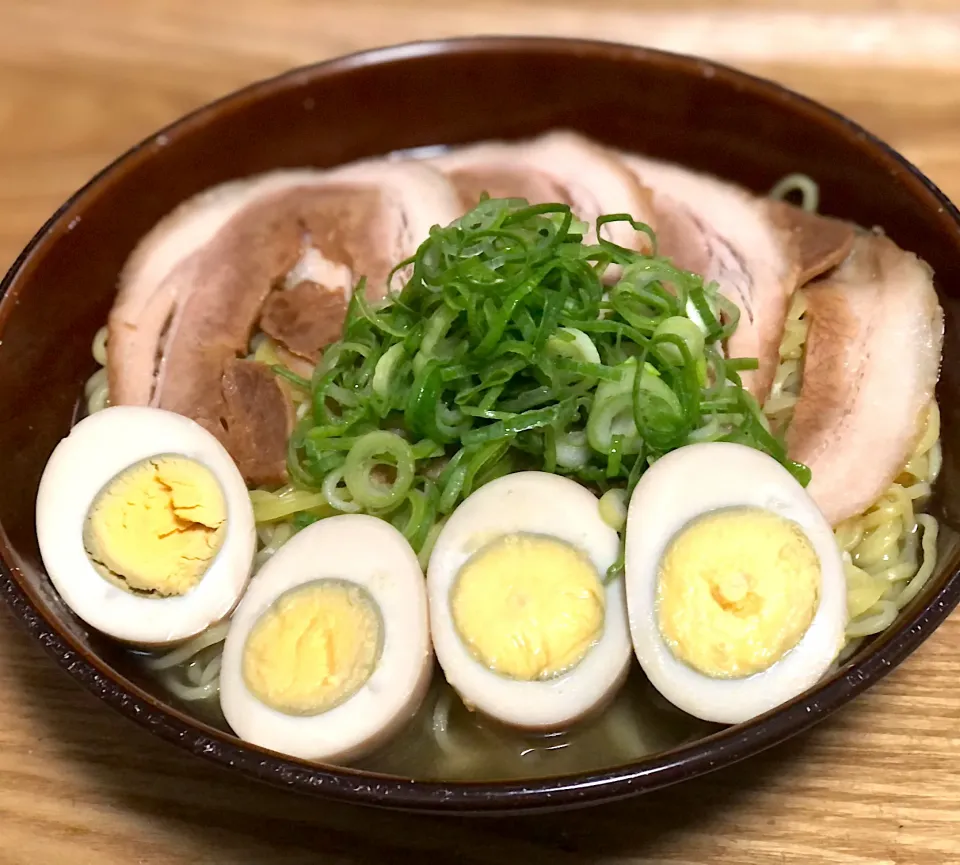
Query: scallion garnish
(513, 344)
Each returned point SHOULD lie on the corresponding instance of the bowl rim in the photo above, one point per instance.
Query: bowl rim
(721, 749)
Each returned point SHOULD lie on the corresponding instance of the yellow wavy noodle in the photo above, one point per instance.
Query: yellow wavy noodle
(95, 390)
(786, 383)
(269, 507)
(192, 670)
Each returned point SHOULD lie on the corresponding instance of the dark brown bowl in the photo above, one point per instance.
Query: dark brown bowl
(687, 110)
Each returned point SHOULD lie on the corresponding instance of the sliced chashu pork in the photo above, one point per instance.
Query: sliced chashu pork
(871, 364)
(193, 291)
(258, 416)
(308, 314)
(556, 167)
(758, 251)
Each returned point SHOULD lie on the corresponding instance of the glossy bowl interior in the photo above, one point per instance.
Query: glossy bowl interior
(685, 110)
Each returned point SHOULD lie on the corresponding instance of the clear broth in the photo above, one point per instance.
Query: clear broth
(447, 742)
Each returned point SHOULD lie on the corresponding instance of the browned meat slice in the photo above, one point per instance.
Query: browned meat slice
(258, 419)
(820, 243)
(758, 251)
(194, 289)
(871, 364)
(504, 181)
(305, 318)
(557, 167)
(148, 298)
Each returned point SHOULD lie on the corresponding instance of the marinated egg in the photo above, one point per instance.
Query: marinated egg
(525, 625)
(145, 525)
(328, 653)
(735, 585)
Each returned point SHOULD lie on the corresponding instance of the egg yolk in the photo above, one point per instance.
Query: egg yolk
(157, 526)
(313, 648)
(528, 606)
(737, 590)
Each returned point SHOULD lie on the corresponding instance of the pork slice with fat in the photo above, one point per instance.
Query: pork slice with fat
(305, 318)
(146, 299)
(871, 364)
(194, 290)
(561, 167)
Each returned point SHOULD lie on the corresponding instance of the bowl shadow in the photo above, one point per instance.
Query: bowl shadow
(215, 815)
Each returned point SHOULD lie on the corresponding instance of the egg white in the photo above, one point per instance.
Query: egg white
(682, 486)
(372, 554)
(99, 448)
(545, 504)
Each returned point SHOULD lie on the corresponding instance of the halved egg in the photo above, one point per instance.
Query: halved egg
(735, 585)
(328, 654)
(145, 525)
(525, 624)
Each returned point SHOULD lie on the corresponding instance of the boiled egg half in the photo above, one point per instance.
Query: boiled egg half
(328, 654)
(735, 584)
(526, 626)
(145, 525)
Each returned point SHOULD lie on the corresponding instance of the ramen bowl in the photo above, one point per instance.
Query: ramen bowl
(685, 110)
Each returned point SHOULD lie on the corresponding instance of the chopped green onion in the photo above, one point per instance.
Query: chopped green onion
(333, 493)
(385, 369)
(573, 343)
(297, 380)
(505, 345)
(688, 331)
(431, 540)
(363, 459)
(270, 507)
(572, 450)
(613, 508)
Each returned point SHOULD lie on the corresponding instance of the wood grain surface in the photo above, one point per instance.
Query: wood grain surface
(81, 80)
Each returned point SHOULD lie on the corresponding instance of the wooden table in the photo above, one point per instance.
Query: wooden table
(81, 81)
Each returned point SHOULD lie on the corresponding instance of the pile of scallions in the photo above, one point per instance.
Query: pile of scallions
(510, 343)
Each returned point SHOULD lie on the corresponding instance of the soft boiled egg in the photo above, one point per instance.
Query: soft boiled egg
(525, 625)
(328, 654)
(735, 584)
(145, 525)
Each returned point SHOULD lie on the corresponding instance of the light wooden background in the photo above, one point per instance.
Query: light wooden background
(80, 80)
